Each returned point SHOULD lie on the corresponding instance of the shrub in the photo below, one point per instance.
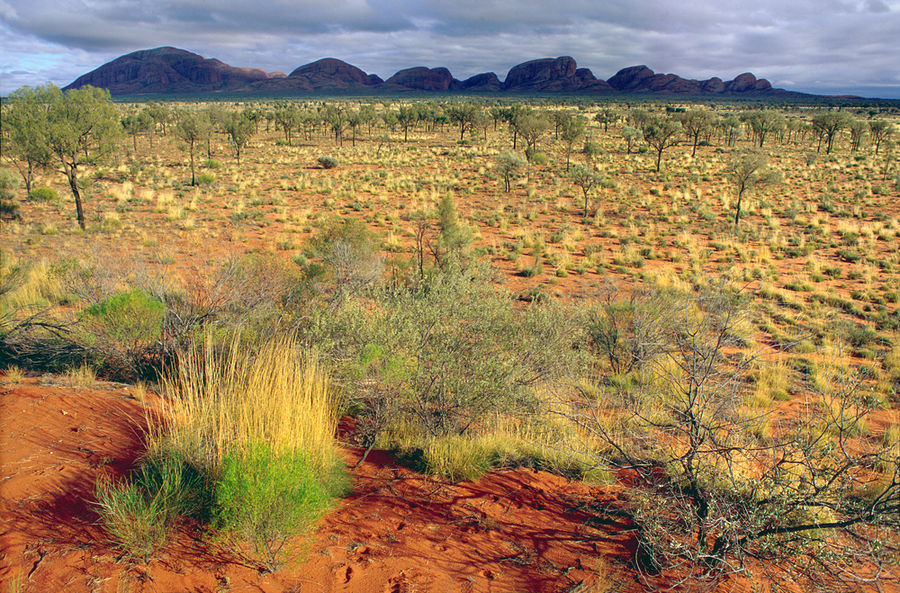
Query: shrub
(227, 398)
(205, 178)
(264, 498)
(328, 162)
(44, 194)
(134, 520)
(9, 210)
(121, 331)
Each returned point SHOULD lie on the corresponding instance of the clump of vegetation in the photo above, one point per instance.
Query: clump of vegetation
(328, 162)
(246, 441)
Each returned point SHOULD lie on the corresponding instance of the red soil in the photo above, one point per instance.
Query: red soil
(398, 531)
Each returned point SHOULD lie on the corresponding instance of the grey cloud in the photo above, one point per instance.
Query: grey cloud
(806, 44)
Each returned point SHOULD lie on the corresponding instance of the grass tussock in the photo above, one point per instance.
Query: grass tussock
(226, 399)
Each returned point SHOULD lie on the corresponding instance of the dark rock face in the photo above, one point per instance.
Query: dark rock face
(171, 70)
(423, 79)
(331, 73)
(167, 70)
(641, 79)
(486, 82)
(628, 79)
(540, 74)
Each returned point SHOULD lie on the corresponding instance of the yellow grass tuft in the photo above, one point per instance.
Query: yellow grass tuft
(221, 400)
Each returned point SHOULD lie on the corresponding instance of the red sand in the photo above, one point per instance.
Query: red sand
(399, 531)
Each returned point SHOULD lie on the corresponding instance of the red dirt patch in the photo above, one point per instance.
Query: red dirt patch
(398, 531)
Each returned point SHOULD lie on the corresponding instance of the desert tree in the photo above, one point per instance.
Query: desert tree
(192, 128)
(337, 121)
(587, 179)
(858, 130)
(239, 128)
(82, 126)
(464, 115)
(407, 117)
(572, 131)
(827, 125)
(696, 123)
(590, 150)
(509, 166)
(138, 123)
(287, 117)
(746, 170)
(160, 114)
(512, 115)
(660, 134)
(25, 120)
(605, 117)
(880, 130)
(631, 135)
(764, 122)
(730, 128)
(639, 118)
(717, 483)
(532, 127)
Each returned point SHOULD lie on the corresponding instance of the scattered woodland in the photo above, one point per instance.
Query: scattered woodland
(691, 305)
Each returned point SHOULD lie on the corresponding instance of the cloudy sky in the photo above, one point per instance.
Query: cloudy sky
(820, 46)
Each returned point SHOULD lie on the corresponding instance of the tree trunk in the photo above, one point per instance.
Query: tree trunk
(193, 178)
(71, 173)
(737, 214)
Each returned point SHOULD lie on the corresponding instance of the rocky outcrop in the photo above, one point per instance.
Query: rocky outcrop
(331, 72)
(176, 71)
(423, 79)
(641, 79)
(167, 70)
(485, 82)
(540, 74)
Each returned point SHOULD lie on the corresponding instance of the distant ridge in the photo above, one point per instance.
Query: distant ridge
(169, 70)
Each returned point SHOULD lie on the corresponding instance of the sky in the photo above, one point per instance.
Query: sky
(817, 46)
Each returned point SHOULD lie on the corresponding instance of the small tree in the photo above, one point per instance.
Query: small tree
(136, 124)
(83, 124)
(716, 486)
(880, 130)
(696, 124)
(828, 124)
(747, 170)
(25, 121)
(240, 129)
(857, 131)
(585, 178)
(532, 127)
(661, 134)
(590, 150)
(631, 135)
(763, 122)
(464, 116)
(509, 166)
(192, 128)
(572, 130)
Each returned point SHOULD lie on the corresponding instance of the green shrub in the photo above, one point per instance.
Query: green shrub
(205, 178)
(43, 194)
(134, 520)
(328, 162)
(120, 331)
(265, 498)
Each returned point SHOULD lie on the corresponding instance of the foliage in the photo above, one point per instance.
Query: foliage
(265, 497)
(509, 166)
(9, 210)
(328, 162)
(731, 487)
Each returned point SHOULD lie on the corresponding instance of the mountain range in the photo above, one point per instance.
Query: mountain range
(168, 70)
